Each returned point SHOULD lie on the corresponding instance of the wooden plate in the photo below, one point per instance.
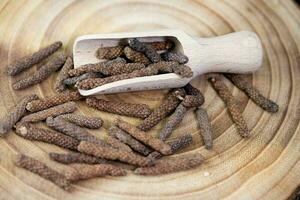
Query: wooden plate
(265, 166)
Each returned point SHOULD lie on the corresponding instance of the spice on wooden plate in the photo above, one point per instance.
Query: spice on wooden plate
(145, 48)
(113, 154)
(121, 108)
(75, 79)
(26, 62)
(145, 138)
(63, 75)
(231, 103)
(42, 170)
(135, 56)
(174, 56)
(117, 144)
(194, 97)
(42, 73)
(83, 121)
(50, 112)
(31, 132)
(239, 81)
(124, 137)
(15, 114)
(68, 158)
(171, 165)
(205, 127)
(55, 100)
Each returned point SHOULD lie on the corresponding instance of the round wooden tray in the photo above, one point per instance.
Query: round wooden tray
(265, 166)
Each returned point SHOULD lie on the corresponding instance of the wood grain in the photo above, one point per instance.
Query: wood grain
(265, 166)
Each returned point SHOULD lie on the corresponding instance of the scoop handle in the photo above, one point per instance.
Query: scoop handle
(239, 52)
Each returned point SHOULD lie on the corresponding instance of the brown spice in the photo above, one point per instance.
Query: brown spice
(231, 103)
(145, 48)
(31, 132)
(42, 170)
(84, 121)
(15, 114)
(124, 137)
(70, 129)
(145, 138)
(194, 97)
(135, 56)
(121, 108)
(161, 45)
(205, 127)
(239, 81)
(183, 71)
(172, 56)
(30, 60)
(63, 75)
(42, 73)
(75, 158)
(117, 144)
(51, 101)
(166, 108)
(74, 80)
(171, 165)
(85, 171)
(50, 112)
(109, 52)
(113, 154)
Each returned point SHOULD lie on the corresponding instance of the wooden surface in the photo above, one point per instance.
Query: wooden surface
(265, 166)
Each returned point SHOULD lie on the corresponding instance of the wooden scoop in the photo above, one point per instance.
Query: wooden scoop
(239, 52)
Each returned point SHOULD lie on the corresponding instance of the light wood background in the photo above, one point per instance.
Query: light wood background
(265, 166)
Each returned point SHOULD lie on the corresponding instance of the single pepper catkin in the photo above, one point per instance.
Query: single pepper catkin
(161, 45)
(14, 115)
(50, 112)
(117, 144)
(113, 154)
(30, 60)
(42, 170)
(109, 52)
(75, 157)
(124, 137)
(31, 132)
(165, 166)
(84, 171)
(84, 121)
(55, 100)
(135, 56)
(205, 127)
(194, 97)
(42, 73)
(121, 108)
(172, 56)
(74, 80)
(167, 107)
(70, 129)
(145, 138)
(239, 81)
(231, 103)
(63, 75)
(145, 48)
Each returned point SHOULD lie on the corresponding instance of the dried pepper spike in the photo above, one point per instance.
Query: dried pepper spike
(183, 71)
(117, 144)
(14, 115)
(194, 97)
(147, 139)
(84, 121)
(42, 170)
(74, 80)
(85, 171)
(205, 127)
(121, 108)
(239, 81)
(174, 56)
(63, 75)
(165, 166)
(50, 112)
(70, 129)
(30, 60)
(55, 100)
(113, 154)
(41, 74)
(148, 50)
(124, 137)
(176, 145)
(158, 114)
(109, 52)
(135, 56)
(231, 103)
(161, 45)
(75, 158)
(31, 132)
